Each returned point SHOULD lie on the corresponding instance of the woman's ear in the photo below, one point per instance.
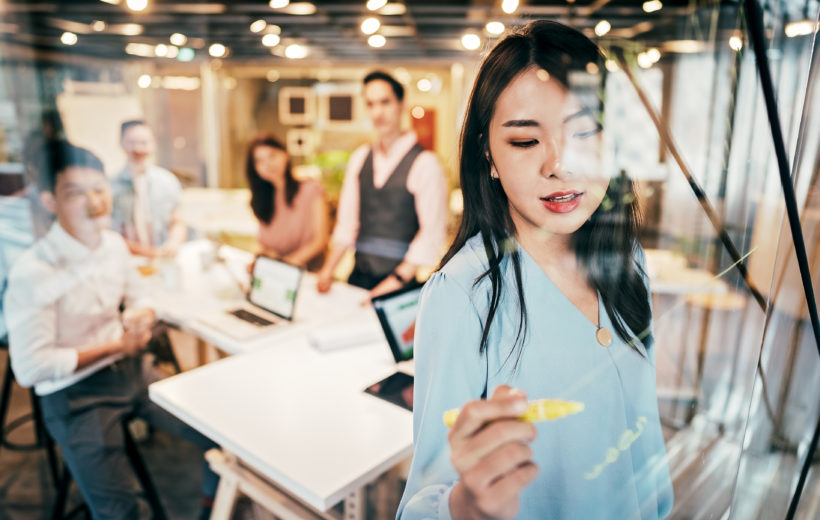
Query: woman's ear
(493, 171)
(48, 202)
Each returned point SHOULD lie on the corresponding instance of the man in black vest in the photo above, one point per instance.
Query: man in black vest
(393, 203)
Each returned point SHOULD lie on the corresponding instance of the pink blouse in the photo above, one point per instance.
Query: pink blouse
(291, 226)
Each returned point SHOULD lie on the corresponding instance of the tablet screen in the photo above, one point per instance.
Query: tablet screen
(397, 315)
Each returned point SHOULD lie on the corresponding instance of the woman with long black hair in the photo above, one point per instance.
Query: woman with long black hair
(542, 295)
(292, 214)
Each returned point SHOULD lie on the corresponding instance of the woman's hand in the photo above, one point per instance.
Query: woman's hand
(489, 448)
(324, 280)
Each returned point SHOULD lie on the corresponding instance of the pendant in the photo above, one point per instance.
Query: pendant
(603, 336)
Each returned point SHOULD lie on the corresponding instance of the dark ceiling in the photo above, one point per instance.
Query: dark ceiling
(426, 30)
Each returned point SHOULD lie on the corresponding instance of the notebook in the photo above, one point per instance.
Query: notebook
(397, 315)
(271, 301)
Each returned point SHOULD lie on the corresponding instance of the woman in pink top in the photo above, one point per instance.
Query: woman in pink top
(293, 215)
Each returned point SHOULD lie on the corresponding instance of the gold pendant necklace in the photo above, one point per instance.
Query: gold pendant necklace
(602, 334)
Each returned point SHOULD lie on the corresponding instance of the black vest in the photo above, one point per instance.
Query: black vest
(387, 217)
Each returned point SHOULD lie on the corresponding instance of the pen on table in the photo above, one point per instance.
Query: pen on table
(537, 410)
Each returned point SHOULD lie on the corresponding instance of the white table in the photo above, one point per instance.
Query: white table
(296, 416)
(201, 279)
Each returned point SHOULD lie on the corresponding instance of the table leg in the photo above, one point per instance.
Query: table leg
(226, 495)
(201, 351)
(354, 505)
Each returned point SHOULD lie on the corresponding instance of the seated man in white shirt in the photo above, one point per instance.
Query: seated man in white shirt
(68, 339)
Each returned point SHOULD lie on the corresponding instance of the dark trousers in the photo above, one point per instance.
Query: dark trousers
(364, 279)
(85, 420)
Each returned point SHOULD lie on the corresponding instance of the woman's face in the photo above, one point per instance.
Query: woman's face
(545, 151)
(270, 163)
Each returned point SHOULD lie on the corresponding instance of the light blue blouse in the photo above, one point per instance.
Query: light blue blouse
(608, 461)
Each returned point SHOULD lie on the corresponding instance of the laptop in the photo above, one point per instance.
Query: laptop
(397, 316)
(271, 301)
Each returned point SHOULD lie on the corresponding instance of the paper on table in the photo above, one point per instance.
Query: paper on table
(345, 335)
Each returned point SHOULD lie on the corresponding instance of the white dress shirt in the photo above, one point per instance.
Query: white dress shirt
(63, 298)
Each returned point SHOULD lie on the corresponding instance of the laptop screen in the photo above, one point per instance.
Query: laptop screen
(397, 314)
(274, 285)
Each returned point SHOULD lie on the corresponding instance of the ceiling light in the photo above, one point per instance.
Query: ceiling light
(136, 5)
(295, 51)
(470, 41)
(402, 75)
(270, 40)
(273, 29)
(370, 25)
(611, 65)
(683, 46)
(258, 26)
(301, 8)
(98, 25)
(424, 84)
(652, 5)
(178, 39)
(509, 6)
(161, 50)
(68, 38)
(374, 5)
(278, 4)
(417, 112)
(654, 54)
(173, 51)
(131, 29)
(144, 81)
(736, 43)
(186, 54)
(592, 68)
(113, 2)
(272, 76)
(494, 28)
(393, 9)
(801, 28)
(146, 50)
(644, 60)
(602, 27)
(217, 50)
(376, 40)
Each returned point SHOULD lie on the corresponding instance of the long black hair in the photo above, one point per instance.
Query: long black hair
(604, 245)
(263, 193)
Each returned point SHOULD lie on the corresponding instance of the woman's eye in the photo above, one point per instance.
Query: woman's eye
(524, 144)
(583, 134)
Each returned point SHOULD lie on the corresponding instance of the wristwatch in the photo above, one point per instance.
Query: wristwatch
(398, 277)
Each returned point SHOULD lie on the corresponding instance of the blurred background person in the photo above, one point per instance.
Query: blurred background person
(146, 197)
(70, 341)
(393, 203)
(292, 214)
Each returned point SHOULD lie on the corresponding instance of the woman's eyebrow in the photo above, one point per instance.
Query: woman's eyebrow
(586, 111)
(520, 123)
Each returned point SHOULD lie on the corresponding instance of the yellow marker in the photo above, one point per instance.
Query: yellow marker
(537, 410)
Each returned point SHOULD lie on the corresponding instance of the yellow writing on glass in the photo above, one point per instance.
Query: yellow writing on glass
(613, 452)
(537, 410)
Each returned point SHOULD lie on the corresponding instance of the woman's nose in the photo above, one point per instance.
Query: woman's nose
(551, 165)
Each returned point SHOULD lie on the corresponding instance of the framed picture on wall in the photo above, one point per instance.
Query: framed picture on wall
(339, 105)
(300, 142)
(296, 106)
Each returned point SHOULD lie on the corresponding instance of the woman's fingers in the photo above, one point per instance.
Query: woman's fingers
(467, 454)
(504, 404)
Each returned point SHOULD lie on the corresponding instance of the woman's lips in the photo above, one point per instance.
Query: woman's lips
(562, 201)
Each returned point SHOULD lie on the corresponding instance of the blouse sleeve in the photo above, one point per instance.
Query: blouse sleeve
(449, 372)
